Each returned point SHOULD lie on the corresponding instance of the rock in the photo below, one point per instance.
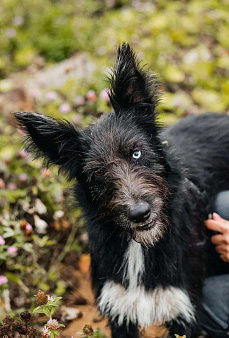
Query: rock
(70, 313)
(78, 66)
(40, 207)
(40, 224)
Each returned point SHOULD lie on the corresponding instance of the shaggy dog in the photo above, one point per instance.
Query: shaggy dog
(145, 194)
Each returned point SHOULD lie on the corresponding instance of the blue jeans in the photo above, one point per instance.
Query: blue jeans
(214, 315)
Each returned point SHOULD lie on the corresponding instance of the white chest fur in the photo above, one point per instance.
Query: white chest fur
(137, 305)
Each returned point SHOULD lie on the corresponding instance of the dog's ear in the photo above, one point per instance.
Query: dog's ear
(56, 141)
(130, 86)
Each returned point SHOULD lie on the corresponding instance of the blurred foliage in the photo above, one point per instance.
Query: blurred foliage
(37, 222)
(186, 42)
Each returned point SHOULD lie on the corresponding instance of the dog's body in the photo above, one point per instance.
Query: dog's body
(144, 202)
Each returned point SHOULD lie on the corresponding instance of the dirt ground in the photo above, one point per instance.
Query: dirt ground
(90, 315)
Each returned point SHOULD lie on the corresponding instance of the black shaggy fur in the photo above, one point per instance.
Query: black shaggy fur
(177, 182)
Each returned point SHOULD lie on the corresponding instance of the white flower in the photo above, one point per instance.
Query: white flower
(52, 298)
(45, 329)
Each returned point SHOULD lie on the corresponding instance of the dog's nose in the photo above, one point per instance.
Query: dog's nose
(140, 212)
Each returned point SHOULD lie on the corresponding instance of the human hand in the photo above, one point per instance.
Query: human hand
(221, 240)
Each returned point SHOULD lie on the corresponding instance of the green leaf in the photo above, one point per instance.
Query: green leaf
(46, 311)
(9, 232)
(44, 286)
(39, 309)
(173, 74)
(51, 303)
(60, 287)
(209, 99)
(42, 309)
(28, 247)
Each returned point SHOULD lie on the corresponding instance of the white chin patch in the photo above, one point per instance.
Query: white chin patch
(145, 308)
(152, 236)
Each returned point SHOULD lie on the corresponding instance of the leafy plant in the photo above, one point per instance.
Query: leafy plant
(48, 305)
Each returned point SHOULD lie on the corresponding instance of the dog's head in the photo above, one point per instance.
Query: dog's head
(119, 161)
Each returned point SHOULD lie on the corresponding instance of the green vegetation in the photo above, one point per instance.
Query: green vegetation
(185, 42)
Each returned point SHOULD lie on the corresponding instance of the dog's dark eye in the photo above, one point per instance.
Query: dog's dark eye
(99, 172)
(137, 154)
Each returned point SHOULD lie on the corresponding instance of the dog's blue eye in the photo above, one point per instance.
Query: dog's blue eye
(137, 154)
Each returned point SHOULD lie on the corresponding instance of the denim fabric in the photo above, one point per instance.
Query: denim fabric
(214, 314)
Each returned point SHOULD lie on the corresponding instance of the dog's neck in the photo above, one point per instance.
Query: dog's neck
(134, 265)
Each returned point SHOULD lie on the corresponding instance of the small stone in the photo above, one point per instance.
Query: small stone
(40, 207)
(70, 313)
(40, 224)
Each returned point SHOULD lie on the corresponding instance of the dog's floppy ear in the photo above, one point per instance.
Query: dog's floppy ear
(130, 86)
(56, 141)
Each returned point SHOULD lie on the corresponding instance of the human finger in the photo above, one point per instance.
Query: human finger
(217, 217)
(221, 248)
(225, 258)
(214, 225)
(218, 239)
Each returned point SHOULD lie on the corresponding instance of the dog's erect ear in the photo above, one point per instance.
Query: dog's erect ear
(56, 141)
(130, 86)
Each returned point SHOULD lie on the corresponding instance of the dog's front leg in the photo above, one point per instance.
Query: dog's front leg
(124, 330)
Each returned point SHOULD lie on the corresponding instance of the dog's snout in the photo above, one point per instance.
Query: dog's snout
(140, 212)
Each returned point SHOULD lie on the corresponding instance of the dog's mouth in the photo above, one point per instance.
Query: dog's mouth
(145, 227)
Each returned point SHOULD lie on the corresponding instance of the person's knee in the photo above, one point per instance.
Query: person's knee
(221, 204)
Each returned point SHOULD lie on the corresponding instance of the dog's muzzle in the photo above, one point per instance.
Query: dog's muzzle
(139, 212)
(140, 215)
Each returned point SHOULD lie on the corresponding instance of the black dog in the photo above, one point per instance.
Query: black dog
(145, 194)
